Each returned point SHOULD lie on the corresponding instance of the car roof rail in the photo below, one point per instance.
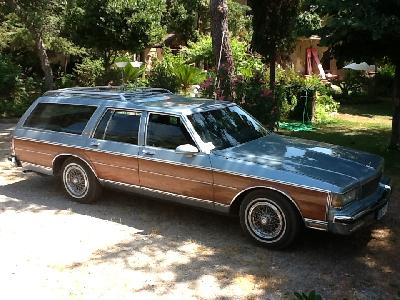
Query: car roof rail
(111, 93)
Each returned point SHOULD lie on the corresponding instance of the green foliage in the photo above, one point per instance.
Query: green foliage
(239, 20)
(273, 26)
(65, 81)
(113, 25)
(311, 296)
(308, 21)
(174, 74)
(201, 52)
(89, 71)
(186, 18)
(364, 33)
(9, 73)
(384, 80)
(353, 86)
(186, 76)
(162, 75)
(132, 75)
(325, 106)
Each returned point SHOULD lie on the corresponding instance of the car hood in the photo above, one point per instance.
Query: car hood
(336, 165)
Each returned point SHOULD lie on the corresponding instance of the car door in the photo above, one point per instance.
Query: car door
(161, 168)
(114, 146)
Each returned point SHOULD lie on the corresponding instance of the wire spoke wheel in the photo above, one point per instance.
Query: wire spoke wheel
(265, 220)
(75, 180)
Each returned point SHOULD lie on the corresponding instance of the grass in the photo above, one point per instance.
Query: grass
(365, 127)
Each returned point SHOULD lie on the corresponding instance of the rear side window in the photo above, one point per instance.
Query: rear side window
(167, 132)
(119, 126)
(60, 117)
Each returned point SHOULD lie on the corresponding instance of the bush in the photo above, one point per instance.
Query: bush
(26, 90)
(294, 97)
(90, 71)
(9, 73)
(384, 80)
(174, 74)
(17, 91)
(161, 76)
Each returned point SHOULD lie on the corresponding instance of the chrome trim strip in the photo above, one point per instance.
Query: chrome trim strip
(316, 224)
(113, 166)
(27, 166)
(269, 188)
(201, 203)
(226, 187)
(177, 177)
(31, 151)
(174, 163)
(76, 147)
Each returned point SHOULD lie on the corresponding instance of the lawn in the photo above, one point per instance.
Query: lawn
(365, 127)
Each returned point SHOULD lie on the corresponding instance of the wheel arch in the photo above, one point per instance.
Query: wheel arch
(59, 159)
(237, 200)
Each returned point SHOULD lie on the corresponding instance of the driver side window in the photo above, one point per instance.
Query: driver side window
(165, 131)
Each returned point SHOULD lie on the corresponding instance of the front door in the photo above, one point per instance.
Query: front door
(114, 147)
(162, 169)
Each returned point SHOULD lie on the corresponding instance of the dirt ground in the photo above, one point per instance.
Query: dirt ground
(129, 247)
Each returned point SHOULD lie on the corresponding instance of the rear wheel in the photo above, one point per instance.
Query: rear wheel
(79, 182)
(269, 219)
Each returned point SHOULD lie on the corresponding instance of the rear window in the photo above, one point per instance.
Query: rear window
(60, 117)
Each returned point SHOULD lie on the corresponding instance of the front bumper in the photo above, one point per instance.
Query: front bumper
(361, 213)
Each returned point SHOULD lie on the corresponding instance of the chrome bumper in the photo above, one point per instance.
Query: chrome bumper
(361, 213)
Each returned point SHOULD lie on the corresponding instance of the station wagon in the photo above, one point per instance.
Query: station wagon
(204, 153)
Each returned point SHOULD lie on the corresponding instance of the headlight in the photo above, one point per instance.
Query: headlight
(340, 200)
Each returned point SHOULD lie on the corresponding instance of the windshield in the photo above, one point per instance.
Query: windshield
(226, 127)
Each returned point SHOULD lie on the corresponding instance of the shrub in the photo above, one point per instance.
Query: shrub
(186, 76)
(294, 96)
(90, 71)
(9, 73)
(161, 76)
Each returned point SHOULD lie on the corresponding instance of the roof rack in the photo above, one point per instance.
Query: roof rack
(116, 93)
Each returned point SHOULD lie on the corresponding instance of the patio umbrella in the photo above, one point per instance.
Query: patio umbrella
(359, 67)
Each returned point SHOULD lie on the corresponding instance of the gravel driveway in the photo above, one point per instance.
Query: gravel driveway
(129, 247)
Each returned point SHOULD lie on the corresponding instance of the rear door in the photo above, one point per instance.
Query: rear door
(161, 168)
(114, 146)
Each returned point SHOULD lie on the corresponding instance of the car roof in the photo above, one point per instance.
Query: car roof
(151, 99)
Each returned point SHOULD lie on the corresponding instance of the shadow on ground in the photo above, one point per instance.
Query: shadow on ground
(199, 246)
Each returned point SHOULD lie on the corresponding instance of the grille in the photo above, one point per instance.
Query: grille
(370, 187)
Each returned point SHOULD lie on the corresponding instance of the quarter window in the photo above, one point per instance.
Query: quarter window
(119, 126)
(60, 117)
(167, 132)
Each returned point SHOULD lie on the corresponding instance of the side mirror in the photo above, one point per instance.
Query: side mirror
(187, 149)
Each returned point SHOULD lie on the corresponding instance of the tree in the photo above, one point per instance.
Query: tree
(273, 29)
(221, 45)
(366, 31)
(114, 25)
(186, 18)
(40, 18)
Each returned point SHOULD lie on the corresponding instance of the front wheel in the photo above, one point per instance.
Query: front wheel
(79, 182)
(269, 219)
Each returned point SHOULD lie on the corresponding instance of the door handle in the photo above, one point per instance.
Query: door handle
(94, 144)
(147, 152)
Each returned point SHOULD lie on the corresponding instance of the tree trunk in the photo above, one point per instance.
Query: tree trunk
(395, 139)
(44, 62)
(221, 46)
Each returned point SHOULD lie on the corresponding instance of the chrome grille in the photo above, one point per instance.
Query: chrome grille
(370, 187)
